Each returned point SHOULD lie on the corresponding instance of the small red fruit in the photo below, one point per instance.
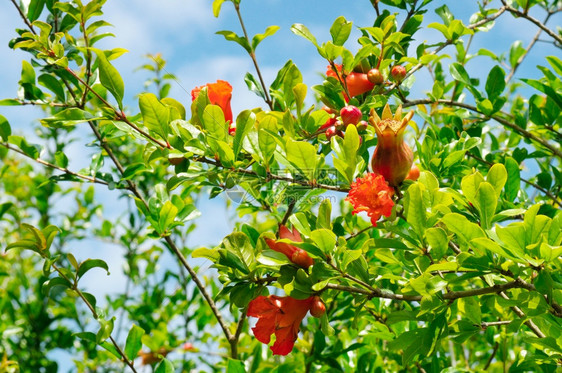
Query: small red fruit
(188, 346)
(328, 109)
(329, 123)
(350, 115)
(318, 308)
(375, 76)
(398, 73)
(331, 132)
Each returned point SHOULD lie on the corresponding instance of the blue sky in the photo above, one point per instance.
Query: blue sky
(184, 32)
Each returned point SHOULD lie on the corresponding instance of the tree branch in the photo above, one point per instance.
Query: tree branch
(498, 119)
(54, 166)
(538, 23)
(29, 25)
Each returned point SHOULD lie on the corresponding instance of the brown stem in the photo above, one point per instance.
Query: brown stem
(95, 315)
(29, 25)
(538, 23)
(381, 293)
(505, 122)
(119, 114)
(253, 57)
(54, 166)
(133, 188)
(270, 176)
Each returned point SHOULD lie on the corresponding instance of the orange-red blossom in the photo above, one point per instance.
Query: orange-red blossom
(372, 194)
(281, 316)
(357, 83)
(219, 93)
(295, 254)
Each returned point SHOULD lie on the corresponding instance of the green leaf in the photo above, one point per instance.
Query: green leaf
(303, 156)
(464, 229)
(459, 73)
(217, 7)
(165, 366)
(110, 77)
(556, 64)
(34, 9)
(156, 116)
(244, 124)
(5, 129)
(214, 123)
(301, 30)
(57, 281)
(340, 30)
(484, 244)
(50, 82)
(486, 202)
(235, 366)
(325, 239)
(497, 176)
(415, 209)
(240, 40)
(438, 241)
(324, 214)
(266, 140)
(495, 84)
(134, 343)
(513, 182)
(470, 307)
(88, 264)
(30, 150)
(257, 39)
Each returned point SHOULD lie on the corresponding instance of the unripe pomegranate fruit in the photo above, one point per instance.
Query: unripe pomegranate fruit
(398, 73)
(331, 132)
(362, 126)
(350, 115)
(375, 76)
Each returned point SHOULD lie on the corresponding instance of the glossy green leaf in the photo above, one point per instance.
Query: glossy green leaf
(495, 84)
(5, 129)
(486, 202)
(110, 77)
(258, 38)
(165, 366)
(156, 116)
(340, 30)
(88, 264)
(134, 343)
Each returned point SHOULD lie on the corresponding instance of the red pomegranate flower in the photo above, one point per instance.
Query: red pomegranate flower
(281, 316)
(219, 93)
(373, 195)
(295, 254)
(357, 83)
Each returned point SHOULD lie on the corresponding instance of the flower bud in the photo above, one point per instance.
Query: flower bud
(318, 308)
(329, 123)
(362, 126)
(350, 115)
(301, 258)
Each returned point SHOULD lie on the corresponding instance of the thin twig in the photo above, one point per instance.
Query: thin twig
(533, 20)
(29, 25)
(271, 176)
(118, 114)
(505, 122)
(54, 166)
(525, 54)
(267, 99)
